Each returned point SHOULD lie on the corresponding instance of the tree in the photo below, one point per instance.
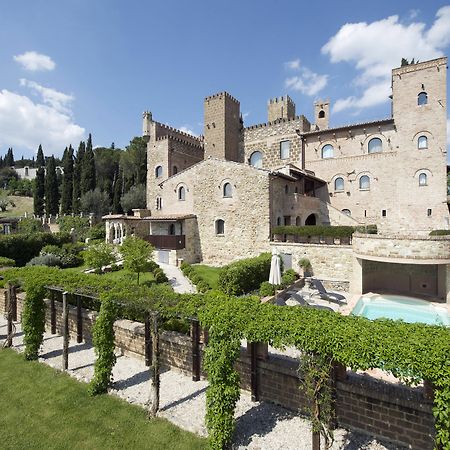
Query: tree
(67, 182)
(51, 188)
(88, 180)
(9, 158)
(134, 162)
(106, 167)
(136, 255)
(135, 198)
(116, 206)
(76, 192)
(39, 185)
(99, 255)
(95, 202)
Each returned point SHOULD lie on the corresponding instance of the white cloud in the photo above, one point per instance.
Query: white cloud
(375, 48)
(306, 81)
(34, 61)
(26, 124)
(413, 13)
(187, 129)
(57, 100)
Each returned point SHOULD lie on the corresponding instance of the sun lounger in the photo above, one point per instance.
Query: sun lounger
(327, 295)
(303, 302)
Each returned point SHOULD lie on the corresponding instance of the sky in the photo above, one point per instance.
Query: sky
(73, 67)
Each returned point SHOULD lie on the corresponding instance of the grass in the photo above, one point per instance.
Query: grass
(209, 274)
(45, 409)
(23, 205)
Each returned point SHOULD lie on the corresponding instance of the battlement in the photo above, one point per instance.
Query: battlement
(282, 99)
(183, 141)
(220, 95)
(275, 122)
(420, 66)
(320, 101)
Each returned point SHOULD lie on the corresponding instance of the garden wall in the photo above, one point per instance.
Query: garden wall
(391, 412)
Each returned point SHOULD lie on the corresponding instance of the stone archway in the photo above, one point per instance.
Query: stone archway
(311, 220)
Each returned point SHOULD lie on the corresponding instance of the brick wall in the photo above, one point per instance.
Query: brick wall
(391, 412)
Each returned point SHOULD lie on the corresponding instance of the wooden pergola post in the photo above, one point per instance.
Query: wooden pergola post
(65, 314)
(154, 369)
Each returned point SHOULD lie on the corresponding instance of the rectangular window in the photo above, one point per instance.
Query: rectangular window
(284, 149)
(429, 212)
(383, 212)
(365, 213)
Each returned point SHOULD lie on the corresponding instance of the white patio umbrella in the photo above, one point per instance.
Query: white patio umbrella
(275, 270)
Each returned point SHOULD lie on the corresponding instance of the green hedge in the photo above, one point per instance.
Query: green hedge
(245, 275)
(439, 232)
(7, 262)
(324, 230)
(23, 247)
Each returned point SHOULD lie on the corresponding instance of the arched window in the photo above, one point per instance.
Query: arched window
(227, 190)
(339, 184)
(158, 202)
(220, 226)
(174, 170)
(321, 114)
(364, 182)
(422, 142)
(256, 159)
(423, 179)
(422, 99)
(158, 171)
(375, 145)
(298, 221)
(310, 220)
(347, 212)
(181, 193)
(327, 151)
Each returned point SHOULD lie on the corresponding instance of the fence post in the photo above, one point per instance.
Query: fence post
(147, 340)
(52, 312)
(65, 354)
(79, 320)
(154, 370)
(253, 371)
(195, 338)
(13, 300)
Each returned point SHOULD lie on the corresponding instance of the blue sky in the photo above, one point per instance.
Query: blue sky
(80, 66)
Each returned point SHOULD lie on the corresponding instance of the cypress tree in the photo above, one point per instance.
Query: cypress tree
(67, 182)
(9, 158)
(51, 188)
(39, 185)
(116, 206)
(88, 180)
(76, 192)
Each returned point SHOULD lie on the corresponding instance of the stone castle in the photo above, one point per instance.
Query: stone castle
(217, 197)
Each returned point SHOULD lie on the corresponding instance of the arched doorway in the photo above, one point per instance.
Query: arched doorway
(310, 220)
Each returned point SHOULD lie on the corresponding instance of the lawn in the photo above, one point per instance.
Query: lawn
(122, 274)
(45, 409)
(209, 274)
(22, 205)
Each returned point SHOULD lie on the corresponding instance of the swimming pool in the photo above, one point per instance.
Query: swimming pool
(376, 306)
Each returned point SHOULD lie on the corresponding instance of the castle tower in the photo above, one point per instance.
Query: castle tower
(322, 113)
(146, 124)
(280, 108)
(222, 126)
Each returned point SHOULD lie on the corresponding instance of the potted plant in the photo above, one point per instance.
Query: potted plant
(305, 267)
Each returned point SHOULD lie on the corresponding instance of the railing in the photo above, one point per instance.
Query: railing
(167, 241)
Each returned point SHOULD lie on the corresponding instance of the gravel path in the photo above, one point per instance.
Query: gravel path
(259, 425)
(177, 279)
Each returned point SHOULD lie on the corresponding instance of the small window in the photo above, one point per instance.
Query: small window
(383, 212)
(422, 99)
(26, 171)
(181, 193)
(423, 179)
(158, 171)
(429, 212)
(158, 202)
(375, 145)
(285, 147)
(339, 184)
(321, 114)
(256, 159)
(220, 226)
(174, 170)
(364, 182)
(347, 212)
(227, 190)
(365, 213)
(172, 229)
(422, 142)
(327, 151)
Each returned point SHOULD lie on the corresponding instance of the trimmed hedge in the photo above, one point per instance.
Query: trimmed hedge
(23, 247)
(6, 262)
(245, 275)
(439, 232)
(324, 230)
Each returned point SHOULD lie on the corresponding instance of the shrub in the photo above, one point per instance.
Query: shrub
(69, 254)
(160, 276)
(45, 260)
(136, 255)
(288, 277)
(439, 232)
(99, 255)
(316, 230)
(267, 289)
(202, 286)
(30, 225)
(97, 232)
(6, 262)
(245, 275)
(79, 224)
(96, 202)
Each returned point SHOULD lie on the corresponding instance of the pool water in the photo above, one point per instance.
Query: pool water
(397, 307)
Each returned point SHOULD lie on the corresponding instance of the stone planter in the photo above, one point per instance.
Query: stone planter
(278, 237)
(345, 240)
(291, 238)
(314, 239)
(302, 239)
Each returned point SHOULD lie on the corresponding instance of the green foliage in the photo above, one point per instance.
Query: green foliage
(68, 254)
(133, 163)
(289, 277)
(33, 319)
(135, 198)
(160, 276)
(97, 231)
(79, 224)
(39, 192)
(267, 289)
(367, 229)
(103, 337)
(136, 255)
(245, 275)
(45, 260)
(315, 230)
(4, 201)
(21, 187)
(23, 247)
(99, 255)
(95, 202)
(67, 182)
(51, 188)
(6, 262)
(88, 177)
(30, 225)
(439, 232)
(77, 165)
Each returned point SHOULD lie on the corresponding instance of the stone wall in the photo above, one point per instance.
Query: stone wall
(329, 262)
(391, 412)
